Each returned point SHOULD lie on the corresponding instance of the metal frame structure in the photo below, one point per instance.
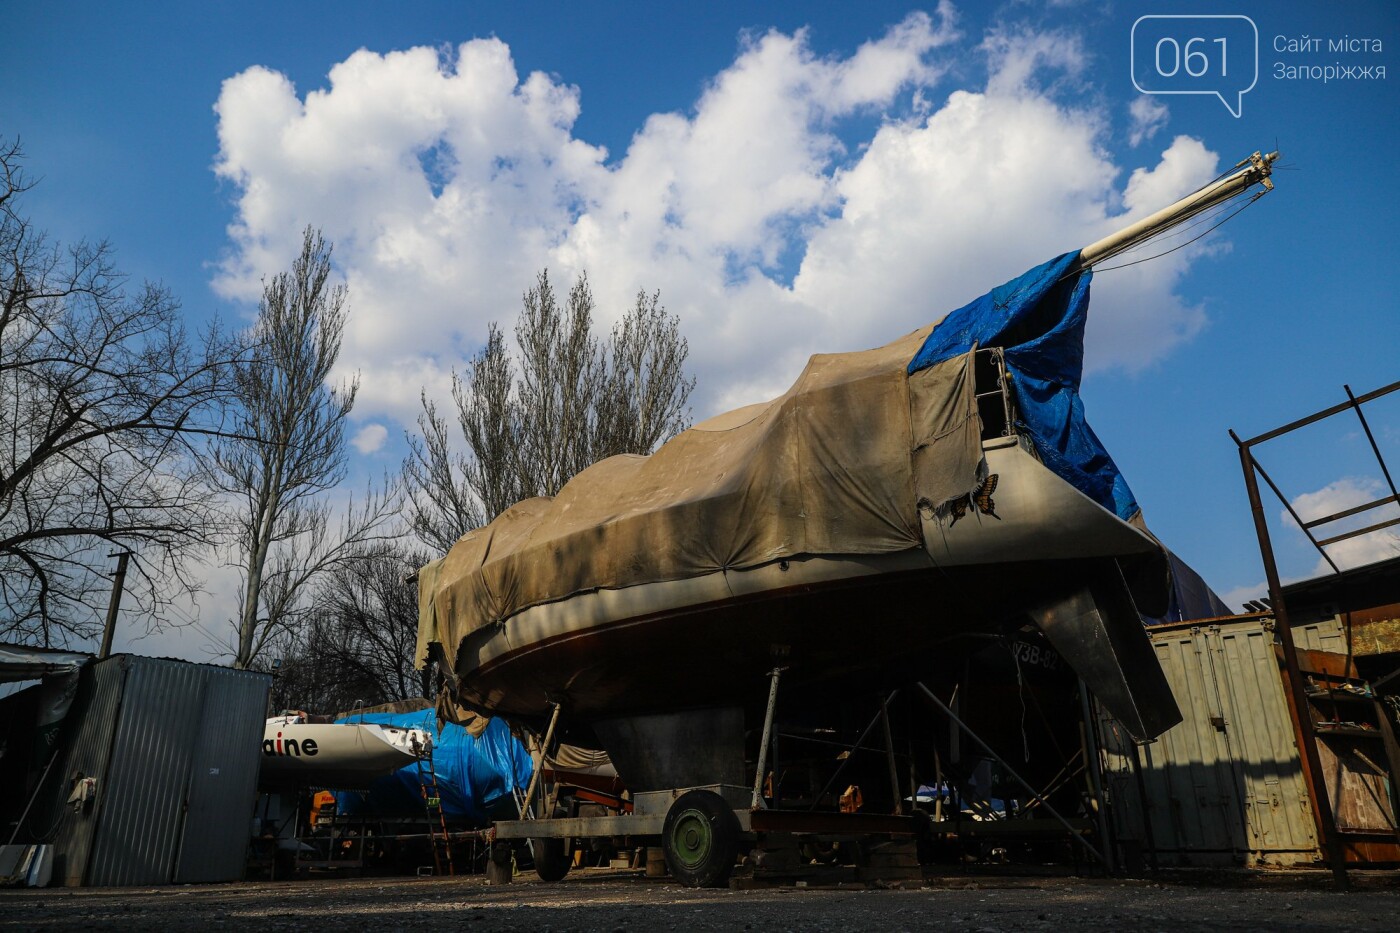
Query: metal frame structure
(1298, 703)
(754, 815)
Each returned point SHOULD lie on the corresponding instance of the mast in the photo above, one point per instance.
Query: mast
(1254, 170)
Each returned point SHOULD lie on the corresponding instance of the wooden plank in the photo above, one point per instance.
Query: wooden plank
(1358, 784)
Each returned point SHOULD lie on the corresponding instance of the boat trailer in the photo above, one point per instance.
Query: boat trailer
(702, 829)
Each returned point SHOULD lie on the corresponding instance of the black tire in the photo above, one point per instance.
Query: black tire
(552, 863)
(552, 860)
(700, 839)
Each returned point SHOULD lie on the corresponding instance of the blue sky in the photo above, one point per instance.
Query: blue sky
(813, 197)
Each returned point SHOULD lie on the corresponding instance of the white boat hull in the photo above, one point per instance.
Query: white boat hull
(335, 755)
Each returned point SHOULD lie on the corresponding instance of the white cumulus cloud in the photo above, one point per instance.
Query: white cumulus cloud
(370, 438)
(1347, 493)
(1148, 115)
(774, 226)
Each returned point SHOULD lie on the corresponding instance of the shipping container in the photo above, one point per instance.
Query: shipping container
(1225, 786)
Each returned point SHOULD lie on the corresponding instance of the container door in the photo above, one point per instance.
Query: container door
(1278, 818)
(226, 755)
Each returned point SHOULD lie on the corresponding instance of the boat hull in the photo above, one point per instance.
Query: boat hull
(867, 630)
(864, 622)
(334, 755)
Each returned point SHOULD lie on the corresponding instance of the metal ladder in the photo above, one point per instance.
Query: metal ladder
(438, 836)
(998, 387)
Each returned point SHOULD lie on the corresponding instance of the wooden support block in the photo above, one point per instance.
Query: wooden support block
(499, 867)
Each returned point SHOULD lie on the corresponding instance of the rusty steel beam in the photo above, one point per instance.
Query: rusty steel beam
(1288, 505)
(1385, 470)
(1296, 693)
(1355, 510)
(1319, 416)
(1359, 531)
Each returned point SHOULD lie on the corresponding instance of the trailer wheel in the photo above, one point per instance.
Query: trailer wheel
(552, 863)
(700, 839)
(552, 859)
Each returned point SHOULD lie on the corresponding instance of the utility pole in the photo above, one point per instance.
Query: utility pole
(118, 582)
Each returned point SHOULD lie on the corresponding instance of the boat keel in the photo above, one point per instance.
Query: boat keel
(1098, 626)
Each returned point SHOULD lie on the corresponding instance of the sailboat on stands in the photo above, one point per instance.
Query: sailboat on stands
(848, 531)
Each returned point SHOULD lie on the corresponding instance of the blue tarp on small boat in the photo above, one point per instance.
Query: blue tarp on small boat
(474, 773)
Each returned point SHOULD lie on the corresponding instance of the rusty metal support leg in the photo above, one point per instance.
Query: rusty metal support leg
(1091, 768)
(889, 757)
(773, 676)
(539, 765)
(937, 785)
(1035, 795)
(1297, 695)
(1135, 761)
(842, 766)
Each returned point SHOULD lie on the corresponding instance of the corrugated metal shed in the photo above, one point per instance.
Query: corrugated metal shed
(175, 748)
(222, 780)
(1225, 786)
(92, 719)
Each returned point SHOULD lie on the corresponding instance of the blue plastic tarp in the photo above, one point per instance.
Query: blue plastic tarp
(474, 773)
(1191, 597)
(1038, 320)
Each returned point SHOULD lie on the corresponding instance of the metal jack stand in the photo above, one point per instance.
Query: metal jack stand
(773, 675)
(860, 742)
(1035, 795)
(889, 757)
(1092, 763)
(525, 813)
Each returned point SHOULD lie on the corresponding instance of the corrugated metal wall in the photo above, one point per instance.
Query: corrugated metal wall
(93, 716)
(1328, 635)
(176, 749)
(141, 820)
(1225, 785)
(225, 779)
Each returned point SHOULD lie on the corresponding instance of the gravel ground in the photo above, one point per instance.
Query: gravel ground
(597, 900)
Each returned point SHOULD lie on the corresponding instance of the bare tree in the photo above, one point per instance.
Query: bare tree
(441, 506)
(486, 413)
(528, 426)
(359, 644)
(306, 673)
(562, 378)
(104, 397)
(647, 390)
(455, 492)
(375, 610)
(288, 451)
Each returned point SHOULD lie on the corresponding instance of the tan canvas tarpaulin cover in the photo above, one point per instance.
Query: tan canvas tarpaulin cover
(836, 466)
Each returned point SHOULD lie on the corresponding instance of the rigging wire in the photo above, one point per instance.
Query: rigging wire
(1233, 214)
(1202, 192)
(1204, 217)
